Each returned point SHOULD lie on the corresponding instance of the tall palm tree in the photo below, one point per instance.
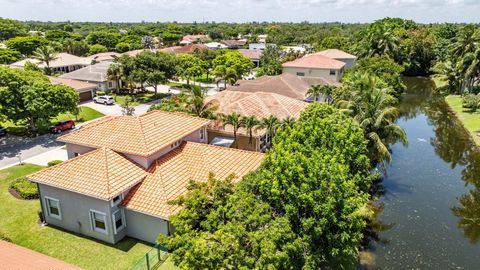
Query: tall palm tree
(115, 73)
(371, 106)
(288, 122)
(321, 93)
(197, 105)
(467, 41)
(45, 54)
(270, 124)
(233, 120)
(228, 75)
(249, 123)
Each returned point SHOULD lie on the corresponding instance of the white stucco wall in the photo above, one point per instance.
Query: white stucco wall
(322, 73)
(145, 227)
(72, 149)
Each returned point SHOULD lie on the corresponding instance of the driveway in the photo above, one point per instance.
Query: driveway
(115, 109)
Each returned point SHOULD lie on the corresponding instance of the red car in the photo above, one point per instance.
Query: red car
(61, 126)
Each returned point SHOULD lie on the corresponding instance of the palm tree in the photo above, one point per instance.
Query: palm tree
(228, 75)
(234, 120)
(371, 106)
(288, 122)
(45, 54)
(197, 105)
(114, 73)
(466, 42)
(270, 124)
(249, 123)
(321, 93)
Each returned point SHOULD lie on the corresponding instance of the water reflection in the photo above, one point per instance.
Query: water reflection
(452, 143)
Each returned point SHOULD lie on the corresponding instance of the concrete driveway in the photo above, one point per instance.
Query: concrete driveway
(115, 109)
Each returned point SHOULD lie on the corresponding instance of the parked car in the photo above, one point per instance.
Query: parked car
(3, 131)
(61, 126)
(107, 100)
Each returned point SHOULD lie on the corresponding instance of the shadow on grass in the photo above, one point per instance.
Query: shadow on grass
(124, 245)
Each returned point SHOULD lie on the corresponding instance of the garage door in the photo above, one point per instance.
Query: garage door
(85, 96)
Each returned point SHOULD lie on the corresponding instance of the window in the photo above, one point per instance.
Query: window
(76, 154)
(117, 200)
(202, 134)
(118, 218)
(110, 84)
(300, 73)
(53, 207)
(99, 221)
(333, 72)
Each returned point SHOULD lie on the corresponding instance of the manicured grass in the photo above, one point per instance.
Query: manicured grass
(471, 121)
(136, 99)
(18, 223)
(86, 114)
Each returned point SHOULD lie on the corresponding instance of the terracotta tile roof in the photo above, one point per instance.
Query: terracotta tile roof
(138, 135)
(79, 86)
(14, 257)
(184, 49)
(101, 173)
(337, 54)
(252, 54)
(234, 42)
(315, 61)
(258, 104)
(285, 84)
(169, 177)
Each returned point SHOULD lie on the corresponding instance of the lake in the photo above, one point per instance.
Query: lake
(429, 214)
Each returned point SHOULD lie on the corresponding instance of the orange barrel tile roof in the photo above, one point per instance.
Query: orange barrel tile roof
(138, 135)
(315, 61)
(169, 177)
(101, 173)
(14, 257)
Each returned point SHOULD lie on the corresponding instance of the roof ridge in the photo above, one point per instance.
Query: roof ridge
(282, 105)
(107, 175)
(143, 133)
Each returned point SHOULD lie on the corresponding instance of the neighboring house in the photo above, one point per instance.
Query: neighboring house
(285, 84)
(340, 55)
(96, 74)
(64, 63)
(254, 55)
(85, 90)
(104, 57)
(315, 65)
(187, 49)
(123, 170)
(234, 44)
(190, 39)
(215, 45)
(258, 104)
(257, 46)
(297, 49)
(262, 38)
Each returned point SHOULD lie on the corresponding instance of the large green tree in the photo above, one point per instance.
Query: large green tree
(26, 45)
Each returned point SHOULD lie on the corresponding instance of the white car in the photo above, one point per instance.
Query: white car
(107, 100)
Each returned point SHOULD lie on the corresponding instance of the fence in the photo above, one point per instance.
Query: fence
(153, 259)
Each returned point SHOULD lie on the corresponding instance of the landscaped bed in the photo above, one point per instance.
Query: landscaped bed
(470, 120)
(19, 224)
(135, 99)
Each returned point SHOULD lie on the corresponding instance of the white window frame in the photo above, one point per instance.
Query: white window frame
(92, 221)
(47, 204)
(124, 221)
(113, 203)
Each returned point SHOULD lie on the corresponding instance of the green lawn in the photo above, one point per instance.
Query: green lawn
(19, 224)
(86, 114)
(137, 99)
(471, 121)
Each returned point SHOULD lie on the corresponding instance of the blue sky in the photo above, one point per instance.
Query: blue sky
(425, 11)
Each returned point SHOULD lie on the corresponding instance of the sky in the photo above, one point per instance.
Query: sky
(423, 11)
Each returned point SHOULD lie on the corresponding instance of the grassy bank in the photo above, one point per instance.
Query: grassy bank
(18, 223)
(470, 120)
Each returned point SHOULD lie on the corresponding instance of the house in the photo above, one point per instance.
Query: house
(104, 57)
(96, 74)
(262, 38)
(258, 104)
(187, 49)
(286, 84)
(257, 46)
(233, 43)
(215, 45)
(190, 39)
(315, 65)
(254, 55)
(340, 55)
(123, 170)
(64, 63)
(85, 90)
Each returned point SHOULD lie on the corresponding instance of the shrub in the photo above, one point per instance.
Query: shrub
(26, 189)
(471, 101)
(54, 162)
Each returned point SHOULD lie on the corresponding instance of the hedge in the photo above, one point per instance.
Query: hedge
(54, 162)
(26, 189)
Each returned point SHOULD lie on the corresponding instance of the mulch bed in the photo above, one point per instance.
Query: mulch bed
(15, 194)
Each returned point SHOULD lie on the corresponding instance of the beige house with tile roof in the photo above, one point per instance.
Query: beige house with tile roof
(85, 90)
(258, 104)
(340, 55)
(123, 170)
(64, 63)
(315, 65)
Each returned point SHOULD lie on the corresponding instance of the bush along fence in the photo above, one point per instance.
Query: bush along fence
(152, 259)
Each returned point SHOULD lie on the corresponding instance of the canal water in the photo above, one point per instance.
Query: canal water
(429, 214)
